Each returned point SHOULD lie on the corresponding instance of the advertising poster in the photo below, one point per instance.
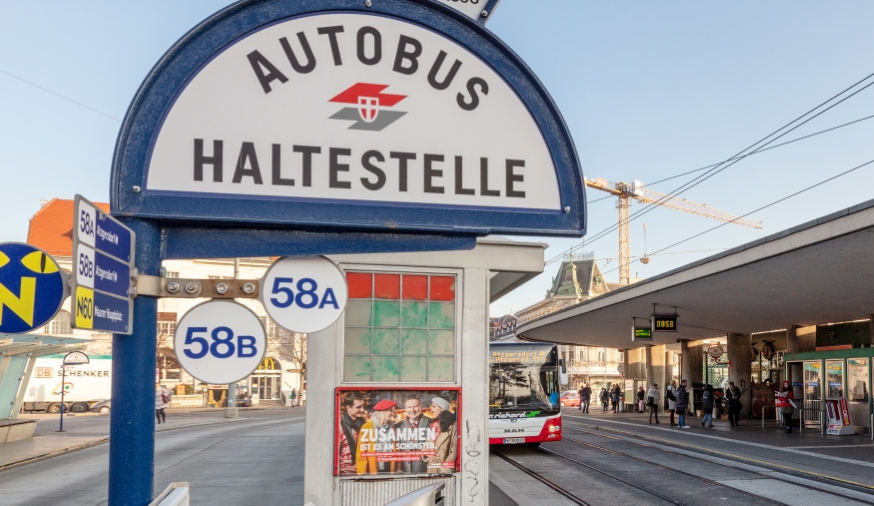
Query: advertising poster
(396, 431)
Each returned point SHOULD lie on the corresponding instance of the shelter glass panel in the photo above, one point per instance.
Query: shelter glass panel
(835, 378)
(399, 327)
(857, 379)
(812, 381)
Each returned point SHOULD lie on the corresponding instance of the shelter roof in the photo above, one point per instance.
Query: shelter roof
(814, 273)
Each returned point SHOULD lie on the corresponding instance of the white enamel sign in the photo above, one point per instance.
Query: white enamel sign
(355, 108)
(220, 342)
(304, 294)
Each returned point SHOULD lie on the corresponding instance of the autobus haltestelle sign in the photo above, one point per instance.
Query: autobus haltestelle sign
(356, 109)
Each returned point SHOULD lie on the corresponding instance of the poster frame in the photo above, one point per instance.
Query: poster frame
(338, 391)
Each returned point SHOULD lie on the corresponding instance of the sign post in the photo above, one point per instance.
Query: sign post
(70, 359)
(384, 126)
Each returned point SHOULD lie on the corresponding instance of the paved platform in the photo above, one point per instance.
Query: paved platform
(848, 459)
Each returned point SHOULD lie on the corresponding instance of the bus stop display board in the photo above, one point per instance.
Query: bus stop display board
(404, 116)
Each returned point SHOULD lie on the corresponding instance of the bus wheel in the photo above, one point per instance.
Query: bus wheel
(79, 407)
(53, 408)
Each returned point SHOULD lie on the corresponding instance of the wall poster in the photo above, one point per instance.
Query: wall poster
(396, 431)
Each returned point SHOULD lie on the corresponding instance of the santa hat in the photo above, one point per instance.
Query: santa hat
(384, 405)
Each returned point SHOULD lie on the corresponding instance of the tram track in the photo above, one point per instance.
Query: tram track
(810, 476)
(539, 477)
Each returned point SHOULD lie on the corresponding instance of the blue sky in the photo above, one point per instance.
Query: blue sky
(648, 90)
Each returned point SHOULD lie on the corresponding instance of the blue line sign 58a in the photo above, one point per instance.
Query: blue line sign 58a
(304, 294)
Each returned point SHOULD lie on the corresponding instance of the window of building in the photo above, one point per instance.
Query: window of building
(399, 327)
(602, 355)
(166, 328)
(835, 378)
(857, 379)
(60, 324)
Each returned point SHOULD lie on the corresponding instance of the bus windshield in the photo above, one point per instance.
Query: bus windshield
(523, 377)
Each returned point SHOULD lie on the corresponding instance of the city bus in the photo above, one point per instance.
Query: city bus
(525, 382)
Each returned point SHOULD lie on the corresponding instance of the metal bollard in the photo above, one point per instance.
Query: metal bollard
(431, 495)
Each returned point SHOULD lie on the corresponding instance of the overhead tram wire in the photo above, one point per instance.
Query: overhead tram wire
(799, 192)
(716, 170)
(712, 172)
(750, 154)
(728, 162)
(80, 104)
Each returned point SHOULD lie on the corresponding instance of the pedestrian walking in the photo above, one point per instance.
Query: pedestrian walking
(671, 395)
(682, 403)
(293, 397)
(162, 400)
(605, 398)
(652, 400)
(732, 395)
(616, 395)
(787, 406)
(640, 399)
(707, 406)
(585, 397)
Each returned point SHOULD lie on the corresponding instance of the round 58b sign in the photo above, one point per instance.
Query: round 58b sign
(220, 342)
(304, 294)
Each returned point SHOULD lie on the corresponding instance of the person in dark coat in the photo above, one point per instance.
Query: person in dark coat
(682, 404)
(732, 395)
(605, 398)
(616, 394)
(585, 397)
(707, 406)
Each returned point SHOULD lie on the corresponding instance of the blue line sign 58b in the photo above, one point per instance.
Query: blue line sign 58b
(220, 342)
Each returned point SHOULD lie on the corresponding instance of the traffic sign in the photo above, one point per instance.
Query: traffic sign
(32, 288)
(103, 259)
(220, 342)
(76, 358)
(304, 294)
(715, 351)
(621, 368)
(408, 118)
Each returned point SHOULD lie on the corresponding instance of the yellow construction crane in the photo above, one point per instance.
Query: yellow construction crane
(637, 191)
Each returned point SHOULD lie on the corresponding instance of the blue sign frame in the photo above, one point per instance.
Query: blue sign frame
(167, 80)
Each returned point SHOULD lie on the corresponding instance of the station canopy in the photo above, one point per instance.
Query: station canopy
(815, 273)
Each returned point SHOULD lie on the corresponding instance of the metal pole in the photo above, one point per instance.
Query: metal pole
(231, 409)
(63, 388)
(132, 424)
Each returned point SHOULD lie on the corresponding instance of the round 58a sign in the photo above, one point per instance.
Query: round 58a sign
(220, 342)
(304, 294)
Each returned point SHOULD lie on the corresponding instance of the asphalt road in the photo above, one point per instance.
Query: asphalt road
(257, 459)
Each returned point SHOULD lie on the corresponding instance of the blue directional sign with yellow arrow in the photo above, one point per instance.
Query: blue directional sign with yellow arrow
(32, 288)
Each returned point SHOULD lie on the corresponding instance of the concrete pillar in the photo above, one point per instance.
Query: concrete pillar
(650, 379)
(667, 375)
(685, 357)
(474, 427)
(740, 368)
(695, 374)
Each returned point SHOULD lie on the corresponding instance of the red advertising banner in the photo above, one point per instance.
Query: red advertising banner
(400, 431)
(840, 423)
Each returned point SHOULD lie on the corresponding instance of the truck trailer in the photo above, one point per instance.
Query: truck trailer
(84, 384)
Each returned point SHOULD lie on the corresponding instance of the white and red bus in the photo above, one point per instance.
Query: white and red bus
(524, 387)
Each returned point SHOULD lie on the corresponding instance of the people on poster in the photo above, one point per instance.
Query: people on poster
(370, 444)
(446, 444)
(377, 436)
(352, 419)
(413, 419)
